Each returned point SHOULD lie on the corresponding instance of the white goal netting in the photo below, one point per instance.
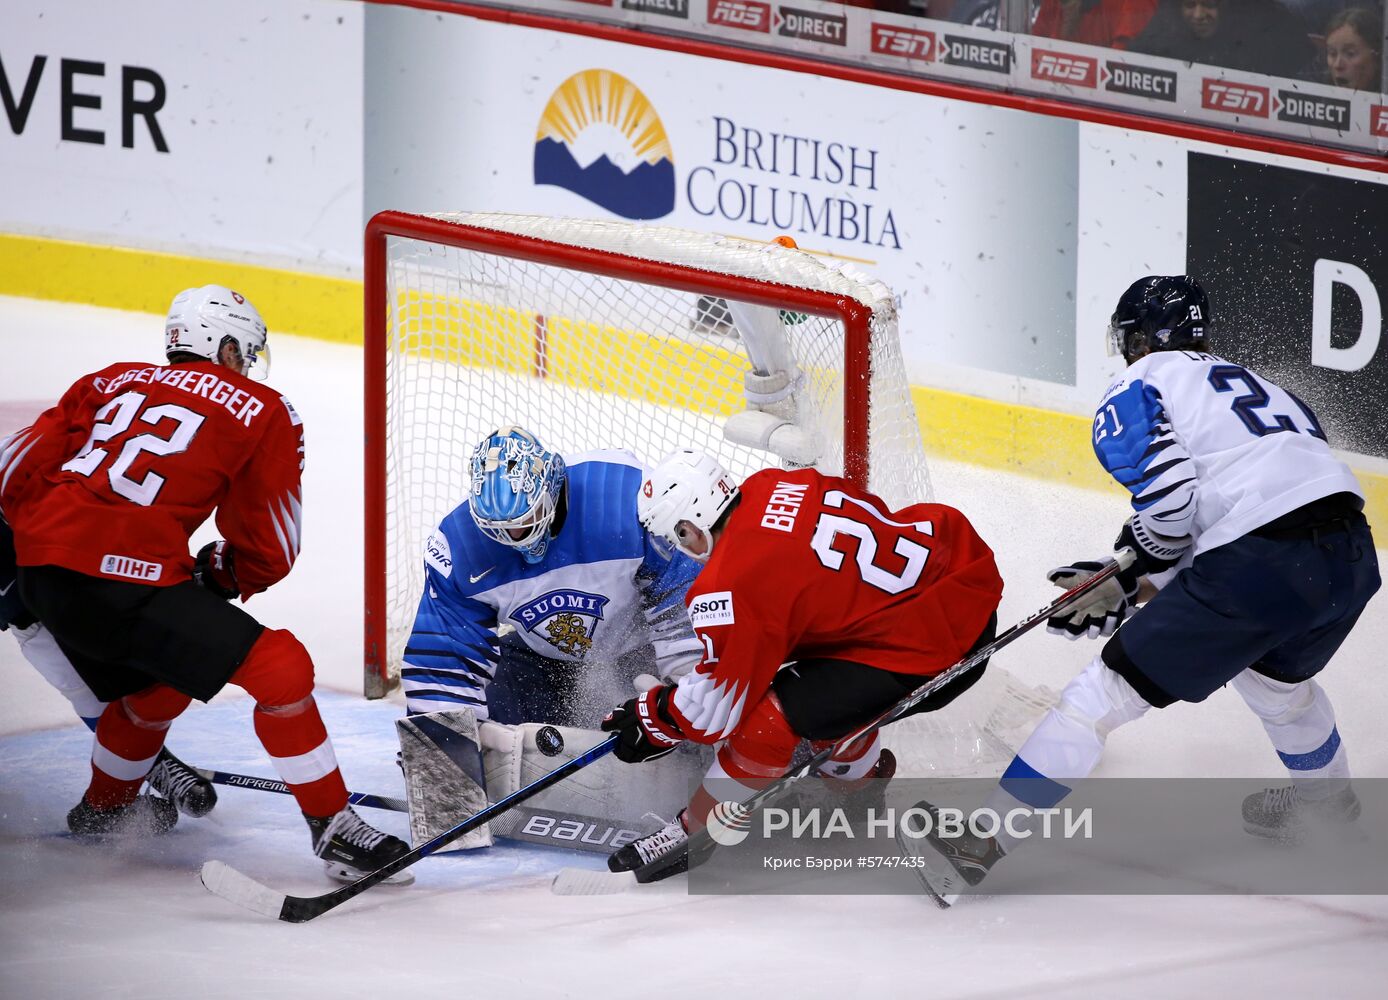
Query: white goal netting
(554, 328)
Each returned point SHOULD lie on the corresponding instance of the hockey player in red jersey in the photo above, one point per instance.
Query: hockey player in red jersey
(860, 602)
(103, 492)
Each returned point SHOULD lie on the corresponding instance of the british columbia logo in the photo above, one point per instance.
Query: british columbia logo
(600, 138)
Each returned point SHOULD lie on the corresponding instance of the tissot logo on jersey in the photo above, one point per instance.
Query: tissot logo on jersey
(907, 43)
(567, 619)
(1060, 67)
(712, 609)
(812, 26)
(1235, 98)
(747, 15)
(135, 569)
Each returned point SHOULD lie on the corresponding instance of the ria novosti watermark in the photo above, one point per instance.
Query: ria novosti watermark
(730, 824)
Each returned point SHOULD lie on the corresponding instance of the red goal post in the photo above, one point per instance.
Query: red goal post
(598, 334)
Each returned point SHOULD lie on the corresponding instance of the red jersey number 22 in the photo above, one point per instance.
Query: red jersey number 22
(830, 526)
(113, 420)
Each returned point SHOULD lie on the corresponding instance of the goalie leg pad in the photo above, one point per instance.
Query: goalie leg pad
(445, 781)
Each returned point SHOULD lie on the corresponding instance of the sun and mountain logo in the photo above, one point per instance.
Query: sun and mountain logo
(600, 138)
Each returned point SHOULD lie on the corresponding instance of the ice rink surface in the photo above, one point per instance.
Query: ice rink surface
(78, 920)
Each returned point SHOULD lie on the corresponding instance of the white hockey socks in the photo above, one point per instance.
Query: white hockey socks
(42, 651)
(1300, 721)
(1067, 743)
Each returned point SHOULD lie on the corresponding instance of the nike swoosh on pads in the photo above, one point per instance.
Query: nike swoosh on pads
(474, 579)
(6, 590)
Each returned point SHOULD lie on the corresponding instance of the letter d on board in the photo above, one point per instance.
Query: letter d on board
(1327, 274)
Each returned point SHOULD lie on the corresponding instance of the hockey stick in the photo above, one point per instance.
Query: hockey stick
(223, 880)
(701, 842)
(273, 785)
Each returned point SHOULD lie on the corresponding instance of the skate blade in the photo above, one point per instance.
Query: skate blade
(339, 872)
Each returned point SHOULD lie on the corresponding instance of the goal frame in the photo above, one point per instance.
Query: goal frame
(855, 316)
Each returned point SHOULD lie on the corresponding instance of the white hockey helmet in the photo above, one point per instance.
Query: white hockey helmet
(205, 321)
(683, 498)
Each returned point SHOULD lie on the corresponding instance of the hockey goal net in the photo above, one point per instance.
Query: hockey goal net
(601, 334)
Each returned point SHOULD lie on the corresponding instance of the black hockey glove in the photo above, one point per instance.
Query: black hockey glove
(215, 569)
(1100, 611)
(646, 728)
(1155, 553)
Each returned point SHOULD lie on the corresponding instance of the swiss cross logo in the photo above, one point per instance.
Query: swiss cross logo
(908, 43)
(1378, 120)
(240, 299)
(646, 488)
(1235, 98)
(745, 14)
(1060, 67)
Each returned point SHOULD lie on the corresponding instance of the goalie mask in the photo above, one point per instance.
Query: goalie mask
(1159, 314)
(683, 498)
(217, 324)
(516, 490)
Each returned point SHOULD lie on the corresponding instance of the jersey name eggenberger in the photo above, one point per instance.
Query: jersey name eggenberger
(238, 402)
(566, 618)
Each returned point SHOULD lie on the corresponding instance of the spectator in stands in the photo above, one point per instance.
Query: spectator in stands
(1258, 36)
(1111, 23)
(1354, 49)
(976, 13)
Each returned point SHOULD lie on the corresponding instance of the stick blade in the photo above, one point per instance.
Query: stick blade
(221, 879)
(588, 882)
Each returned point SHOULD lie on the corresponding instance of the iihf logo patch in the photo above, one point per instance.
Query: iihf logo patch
(567, 619)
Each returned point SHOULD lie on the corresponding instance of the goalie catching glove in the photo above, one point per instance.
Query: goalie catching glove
(645, 727)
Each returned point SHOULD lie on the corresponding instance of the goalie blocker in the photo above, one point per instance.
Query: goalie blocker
(455, 766)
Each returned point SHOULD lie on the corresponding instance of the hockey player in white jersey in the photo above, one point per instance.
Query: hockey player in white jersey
(1256, 530)
(547, 549)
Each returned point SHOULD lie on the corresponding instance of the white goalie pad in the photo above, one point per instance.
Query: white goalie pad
(600, 808)
(445, 781)
(454, 768)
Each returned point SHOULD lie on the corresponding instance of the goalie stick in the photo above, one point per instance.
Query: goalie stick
(578, 881)
(273, 785)
(223, 880)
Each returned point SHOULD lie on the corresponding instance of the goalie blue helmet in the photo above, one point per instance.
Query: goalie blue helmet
(517, 490)
(1159, 313)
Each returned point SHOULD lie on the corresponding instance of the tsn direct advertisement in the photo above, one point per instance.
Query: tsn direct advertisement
(935, 198)
(1016, 62)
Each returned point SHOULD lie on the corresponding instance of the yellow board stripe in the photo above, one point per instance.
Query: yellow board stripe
(146, 281)
(1007, 436)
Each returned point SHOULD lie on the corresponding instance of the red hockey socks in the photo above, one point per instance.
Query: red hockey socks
(278, 673)
(129, 736)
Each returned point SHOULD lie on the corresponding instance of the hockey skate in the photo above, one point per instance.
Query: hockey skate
(146, 816)
(657, 855)
(1283, 814)
(351, 848)
(949, 866)
(176, 781)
